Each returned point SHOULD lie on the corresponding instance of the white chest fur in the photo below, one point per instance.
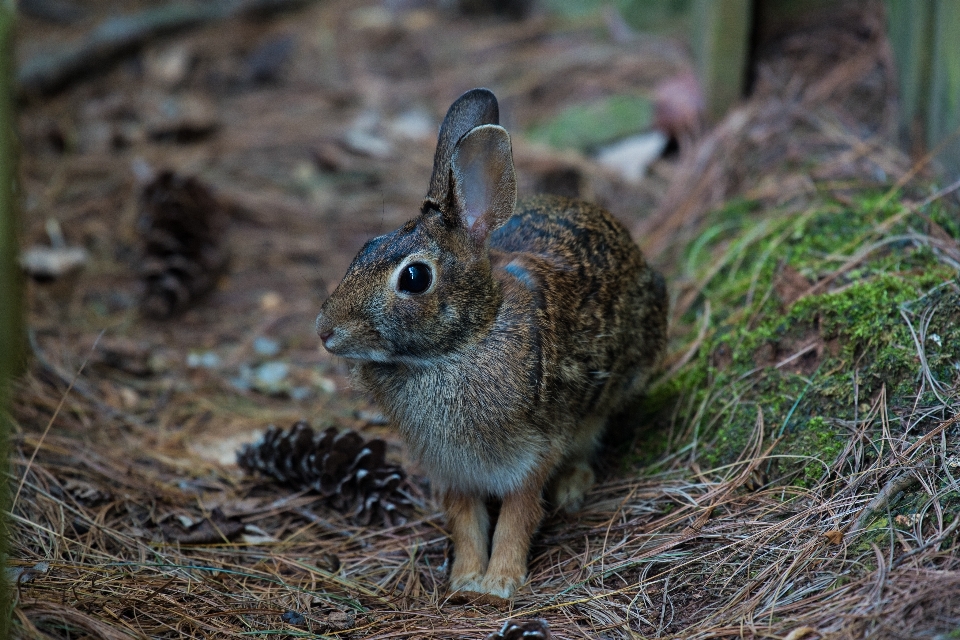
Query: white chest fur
(457, 421)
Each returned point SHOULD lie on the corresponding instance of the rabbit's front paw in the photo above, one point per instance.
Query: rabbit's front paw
(467, 582)
(571, 486)
(500, 586)
(466, 589)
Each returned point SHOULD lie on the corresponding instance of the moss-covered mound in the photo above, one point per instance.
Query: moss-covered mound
(812, 326)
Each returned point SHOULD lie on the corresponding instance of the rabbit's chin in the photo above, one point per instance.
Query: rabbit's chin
(363, 355)
(378, 356)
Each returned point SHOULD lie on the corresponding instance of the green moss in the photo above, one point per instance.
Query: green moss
(801, 369)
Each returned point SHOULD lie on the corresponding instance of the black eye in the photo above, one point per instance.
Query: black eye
(415, 278)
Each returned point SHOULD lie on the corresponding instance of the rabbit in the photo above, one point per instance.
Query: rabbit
(499, 337)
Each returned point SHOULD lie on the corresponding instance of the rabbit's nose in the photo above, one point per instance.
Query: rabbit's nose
(325, 336)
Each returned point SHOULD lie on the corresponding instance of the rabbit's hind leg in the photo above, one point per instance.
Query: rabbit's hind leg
(571, 482)
(469, 524)
(571, 485)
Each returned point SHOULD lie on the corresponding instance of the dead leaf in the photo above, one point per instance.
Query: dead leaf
(800, 632)
(790, 285)
(180, 118)
(330, 562)
(124, 354)
(215, 529)
(340, 620)
(23, 575)
(834, 536)
(757, 480)
(85, 493)
(906, 520)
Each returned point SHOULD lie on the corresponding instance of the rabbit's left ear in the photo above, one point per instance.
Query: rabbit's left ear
(483, 181)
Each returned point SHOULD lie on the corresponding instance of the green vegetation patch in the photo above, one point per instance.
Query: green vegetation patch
(812, 323)
(588, 126)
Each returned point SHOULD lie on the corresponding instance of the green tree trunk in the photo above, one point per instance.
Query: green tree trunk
(945, 86)
(11, 286)
(924, 37)
(721, 35)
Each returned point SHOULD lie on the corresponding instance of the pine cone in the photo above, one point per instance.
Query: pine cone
(522, 630)
(182, 225)
(351, 474)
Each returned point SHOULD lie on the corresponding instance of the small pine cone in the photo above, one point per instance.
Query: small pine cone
(522, 630)
(353, 475)
(182, 225)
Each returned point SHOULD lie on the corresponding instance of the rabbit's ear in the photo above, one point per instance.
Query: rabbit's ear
(474, 108)
(484, 184)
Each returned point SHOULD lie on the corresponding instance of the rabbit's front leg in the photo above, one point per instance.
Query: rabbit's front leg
(469, 524)
(520, 515)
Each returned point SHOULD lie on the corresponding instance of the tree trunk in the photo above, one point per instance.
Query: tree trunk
(11, 286)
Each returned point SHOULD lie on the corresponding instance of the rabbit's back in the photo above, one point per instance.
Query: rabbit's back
(600, 309)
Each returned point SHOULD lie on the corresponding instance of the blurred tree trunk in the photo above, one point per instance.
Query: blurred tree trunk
(11, 300)
(924, 39)
(721, 37)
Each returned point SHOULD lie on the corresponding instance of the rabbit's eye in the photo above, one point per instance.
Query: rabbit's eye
(415, 278)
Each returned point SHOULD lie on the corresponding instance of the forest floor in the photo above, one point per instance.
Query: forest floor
(795, 476)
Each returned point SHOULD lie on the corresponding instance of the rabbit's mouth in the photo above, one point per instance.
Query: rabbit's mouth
(338, 342)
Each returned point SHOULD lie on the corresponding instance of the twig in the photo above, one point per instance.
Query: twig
(63, 399)
(116, 37)
(76, 384)
(895, 485)
(55, 11)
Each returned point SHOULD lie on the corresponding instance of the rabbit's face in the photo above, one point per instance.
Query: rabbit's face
(410, 296)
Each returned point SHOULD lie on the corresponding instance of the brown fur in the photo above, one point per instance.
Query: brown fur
(541, 320)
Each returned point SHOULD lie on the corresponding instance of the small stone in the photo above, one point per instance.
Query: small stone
(129, 397)
(363, 138)
(270, 301)
(630, 157)
(266, 346)
(269, 376)
(414, 124)
(203, 360)
(168, 67)
(327, 385)
(300, 393)
(45, 264)
(340, 620)
(294, 618)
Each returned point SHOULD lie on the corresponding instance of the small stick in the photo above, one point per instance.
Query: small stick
(898, 483)
(116, 37)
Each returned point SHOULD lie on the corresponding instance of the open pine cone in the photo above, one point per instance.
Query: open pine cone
(522, 630)
(182, 226)
(352, 474)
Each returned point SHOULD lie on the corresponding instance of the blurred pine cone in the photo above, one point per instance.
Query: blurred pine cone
(522, 630)
(353, 475)
(182, 226)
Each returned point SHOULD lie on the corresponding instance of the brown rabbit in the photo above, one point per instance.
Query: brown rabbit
(499, 337)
